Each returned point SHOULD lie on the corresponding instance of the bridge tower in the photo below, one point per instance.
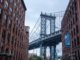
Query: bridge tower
(44, 18)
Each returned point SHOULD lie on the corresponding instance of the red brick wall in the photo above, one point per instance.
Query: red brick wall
(71, 24)
(12, 30)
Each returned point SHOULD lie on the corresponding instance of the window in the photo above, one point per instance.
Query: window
(2, 50)
(77, 30)
(8, 38)
(71, 24)
(11, 1)
(73, 20)
(76, 17)
(72, 34)
(75, 4)
(17, 9)
(7, 50)
(15, 41)
(74, 42)
(75, 55)
(6, 22)
(16, 18)
(1, 1)
(74, 31)
(12, 41)
(10, 23)
(78, 41)
(78, 54)
(14, 14)
(5, 19)
(14, 4)
(0, 11)
(5, 16)
(11, 51)
(3, 34)
(5, 4)
(18, 0)
(10, 9)
(13, 28)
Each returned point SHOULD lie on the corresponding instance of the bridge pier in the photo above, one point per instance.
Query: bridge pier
(52, 52)
(43, 52)
(47, 39)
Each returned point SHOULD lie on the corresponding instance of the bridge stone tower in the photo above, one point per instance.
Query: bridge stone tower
(44, 18)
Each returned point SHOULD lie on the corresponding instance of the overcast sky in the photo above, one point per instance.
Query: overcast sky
(34, 8)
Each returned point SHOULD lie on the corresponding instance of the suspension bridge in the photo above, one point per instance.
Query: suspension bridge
(46, 34)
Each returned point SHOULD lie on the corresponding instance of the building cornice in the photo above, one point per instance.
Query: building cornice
(23, 4)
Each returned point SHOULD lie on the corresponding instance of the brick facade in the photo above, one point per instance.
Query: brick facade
(71, 24)
(12, 30)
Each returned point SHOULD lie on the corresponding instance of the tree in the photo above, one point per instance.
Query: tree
(34, 57)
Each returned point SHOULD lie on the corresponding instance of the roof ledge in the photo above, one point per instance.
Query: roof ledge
(23, 4)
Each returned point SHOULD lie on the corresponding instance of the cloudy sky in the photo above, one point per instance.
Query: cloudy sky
(35, 7)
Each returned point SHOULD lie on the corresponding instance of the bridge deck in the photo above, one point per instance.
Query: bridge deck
(52, 39)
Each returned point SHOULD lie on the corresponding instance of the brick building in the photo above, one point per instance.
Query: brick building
(71, 31)
(27, 40)
(13, 34)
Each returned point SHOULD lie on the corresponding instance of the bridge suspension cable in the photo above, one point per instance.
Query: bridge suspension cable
(35, 29)
(35, 25)
(36, 33)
